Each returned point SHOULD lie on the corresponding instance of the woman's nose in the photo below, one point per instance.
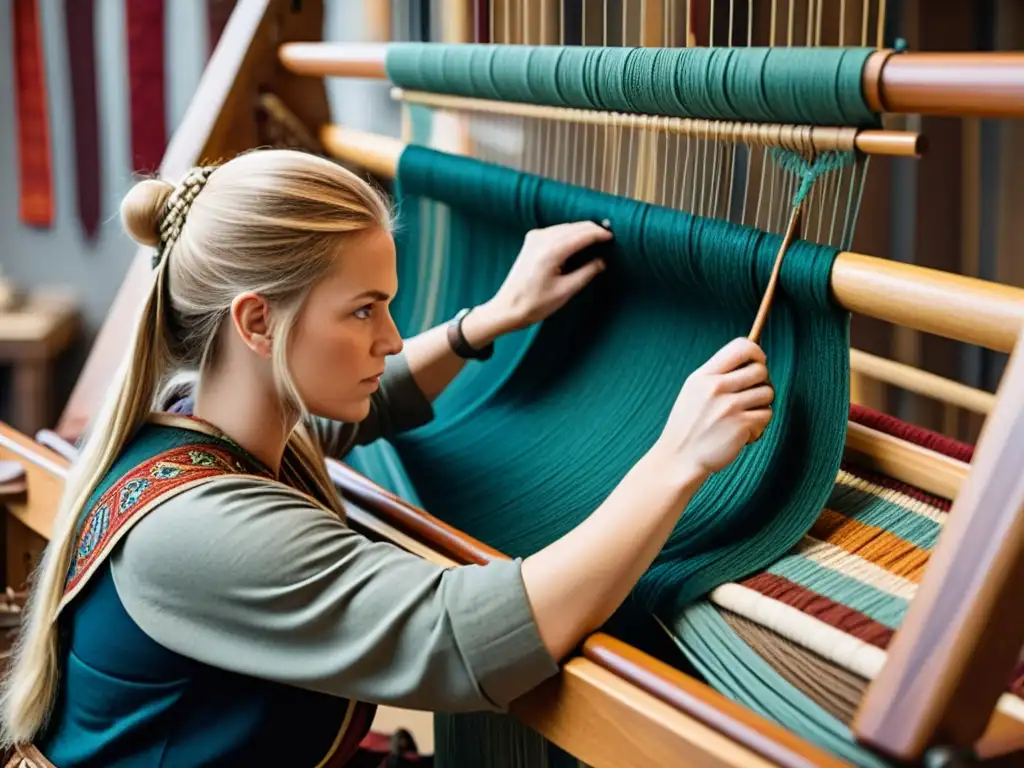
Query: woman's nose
(390, 341)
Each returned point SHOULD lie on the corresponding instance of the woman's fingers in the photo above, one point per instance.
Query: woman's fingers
(568, 239)
(733, 355)
(754, 398)
(573, 282)
(744, 377)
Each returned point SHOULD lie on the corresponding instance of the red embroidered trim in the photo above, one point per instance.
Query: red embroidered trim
(135, 491)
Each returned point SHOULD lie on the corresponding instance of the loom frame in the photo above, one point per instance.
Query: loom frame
(962, 84)
(611, 705)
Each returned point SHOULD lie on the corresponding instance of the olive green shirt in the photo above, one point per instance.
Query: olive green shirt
(257, 579)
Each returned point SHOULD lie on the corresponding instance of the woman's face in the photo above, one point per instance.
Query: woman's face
(345, 331)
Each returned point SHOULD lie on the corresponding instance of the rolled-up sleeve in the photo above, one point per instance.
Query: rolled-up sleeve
(397, 405)
(256, 579)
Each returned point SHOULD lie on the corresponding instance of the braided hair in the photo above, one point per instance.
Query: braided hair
(176, 209)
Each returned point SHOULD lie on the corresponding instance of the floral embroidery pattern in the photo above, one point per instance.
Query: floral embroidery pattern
(96, 525)
(131, 493)
(124, 501)
(166, 471)
(202, 458)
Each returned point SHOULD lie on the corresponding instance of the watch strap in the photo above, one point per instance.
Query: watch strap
(457, 340)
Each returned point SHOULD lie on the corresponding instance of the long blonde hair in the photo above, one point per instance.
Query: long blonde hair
(269, 221)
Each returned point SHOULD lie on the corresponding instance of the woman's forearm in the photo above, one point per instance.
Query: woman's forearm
(576, 583)
(431, 360)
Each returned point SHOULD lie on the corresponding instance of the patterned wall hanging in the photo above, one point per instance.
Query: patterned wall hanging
(35, 165)
(145, 21)
(79, 27)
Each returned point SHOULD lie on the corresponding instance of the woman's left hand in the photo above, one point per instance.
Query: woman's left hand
(535, 286)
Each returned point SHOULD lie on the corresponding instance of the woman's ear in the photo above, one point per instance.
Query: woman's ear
(250, 315)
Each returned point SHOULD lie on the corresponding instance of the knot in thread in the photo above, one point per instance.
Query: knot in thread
(177, 207)
(809, 168)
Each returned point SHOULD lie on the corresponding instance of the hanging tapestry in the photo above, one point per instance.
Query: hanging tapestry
(35, 166)
(145, 21)
(79, 26)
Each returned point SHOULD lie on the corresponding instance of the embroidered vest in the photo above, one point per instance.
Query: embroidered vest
(125, 700)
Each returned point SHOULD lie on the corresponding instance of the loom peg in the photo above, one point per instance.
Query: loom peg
(965, 84)
(921, 382)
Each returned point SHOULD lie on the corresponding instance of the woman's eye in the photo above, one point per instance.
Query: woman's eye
(363, 313)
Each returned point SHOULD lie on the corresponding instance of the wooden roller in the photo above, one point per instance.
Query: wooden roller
(965, 84)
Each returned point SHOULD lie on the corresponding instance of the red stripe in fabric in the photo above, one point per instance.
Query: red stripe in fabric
(811, 603)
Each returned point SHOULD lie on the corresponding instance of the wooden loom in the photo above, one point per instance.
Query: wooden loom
(612, 705)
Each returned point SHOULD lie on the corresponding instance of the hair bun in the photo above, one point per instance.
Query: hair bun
(141, 209)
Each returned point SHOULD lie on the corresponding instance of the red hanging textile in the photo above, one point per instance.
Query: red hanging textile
(79, 28)
(35, 166)
(145, 21)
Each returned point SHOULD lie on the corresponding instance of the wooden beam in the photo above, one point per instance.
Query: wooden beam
(955, 83)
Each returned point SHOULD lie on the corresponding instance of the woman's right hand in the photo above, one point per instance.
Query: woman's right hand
(723, 406)
(575, 583)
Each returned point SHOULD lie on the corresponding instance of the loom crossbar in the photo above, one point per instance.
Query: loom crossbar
(965, 84)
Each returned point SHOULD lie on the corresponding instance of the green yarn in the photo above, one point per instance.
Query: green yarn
(733, 668)
(808, 171)
(797, 85)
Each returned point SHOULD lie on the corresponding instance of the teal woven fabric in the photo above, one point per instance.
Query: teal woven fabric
(526, 445)
(798, 85)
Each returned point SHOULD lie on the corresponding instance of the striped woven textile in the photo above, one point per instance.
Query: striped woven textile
(840, 594)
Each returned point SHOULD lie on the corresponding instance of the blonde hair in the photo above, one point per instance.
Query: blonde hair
(269, 221)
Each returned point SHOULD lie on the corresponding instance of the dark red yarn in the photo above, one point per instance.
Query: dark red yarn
(926, 438)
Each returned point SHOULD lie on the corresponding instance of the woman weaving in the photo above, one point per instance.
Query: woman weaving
(202, 600)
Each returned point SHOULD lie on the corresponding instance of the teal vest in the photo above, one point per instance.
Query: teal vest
(125, 700)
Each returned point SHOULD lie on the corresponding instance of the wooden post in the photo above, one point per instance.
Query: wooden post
(956, 650)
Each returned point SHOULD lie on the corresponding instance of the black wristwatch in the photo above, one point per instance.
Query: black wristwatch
(458, 342)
